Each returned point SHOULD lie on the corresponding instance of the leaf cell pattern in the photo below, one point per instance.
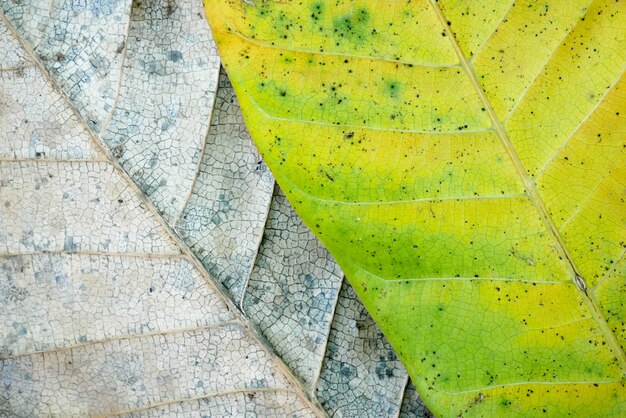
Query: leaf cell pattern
(105, 312)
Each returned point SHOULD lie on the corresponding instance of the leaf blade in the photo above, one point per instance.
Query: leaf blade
(533, 250)
(97, 288)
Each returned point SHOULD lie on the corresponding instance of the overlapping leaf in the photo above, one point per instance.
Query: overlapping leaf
(102, 312)
(464, 163)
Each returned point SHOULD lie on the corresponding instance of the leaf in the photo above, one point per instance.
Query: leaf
(464, 163)
(103, 312)
(144, 79)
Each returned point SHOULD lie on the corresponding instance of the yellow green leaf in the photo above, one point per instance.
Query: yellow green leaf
(465, 163)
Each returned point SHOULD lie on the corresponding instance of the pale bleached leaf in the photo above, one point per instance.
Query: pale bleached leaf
(292, 290)
(104, 311)
(81, 44)
(164, 100)
(226, 210)
(144, 371)
(362, 375)
(254, 403)
(33, 125)
(104, 296)
(11, 55)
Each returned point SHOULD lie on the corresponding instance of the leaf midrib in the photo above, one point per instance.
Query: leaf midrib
(535, 197)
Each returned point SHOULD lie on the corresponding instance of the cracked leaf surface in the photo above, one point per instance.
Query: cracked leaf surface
(462, 188)
(103, 312)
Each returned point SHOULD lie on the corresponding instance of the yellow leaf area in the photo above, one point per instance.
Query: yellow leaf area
(464, 162)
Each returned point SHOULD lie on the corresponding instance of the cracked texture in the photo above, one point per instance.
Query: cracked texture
(81, 44)
(118, 375)
(103, 312)
(249, 404)
(58, 300)
(413, 405)
(33, 127)
(73, 206)
(292, 290)
(11, 55)
(224, 216)
(145, 81)
(362, 375)
(164, 101)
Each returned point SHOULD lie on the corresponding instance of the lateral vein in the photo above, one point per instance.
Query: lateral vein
(535, 197)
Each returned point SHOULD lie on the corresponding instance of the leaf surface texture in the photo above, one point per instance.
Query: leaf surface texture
(464, 163)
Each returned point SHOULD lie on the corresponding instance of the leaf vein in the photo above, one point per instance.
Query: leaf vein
(495, 29)
(266, 114)
(338, 54)
(534, 80)
(580, 125)
(591, 382)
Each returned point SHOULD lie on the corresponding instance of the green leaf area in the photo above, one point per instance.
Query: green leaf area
(465, 163)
